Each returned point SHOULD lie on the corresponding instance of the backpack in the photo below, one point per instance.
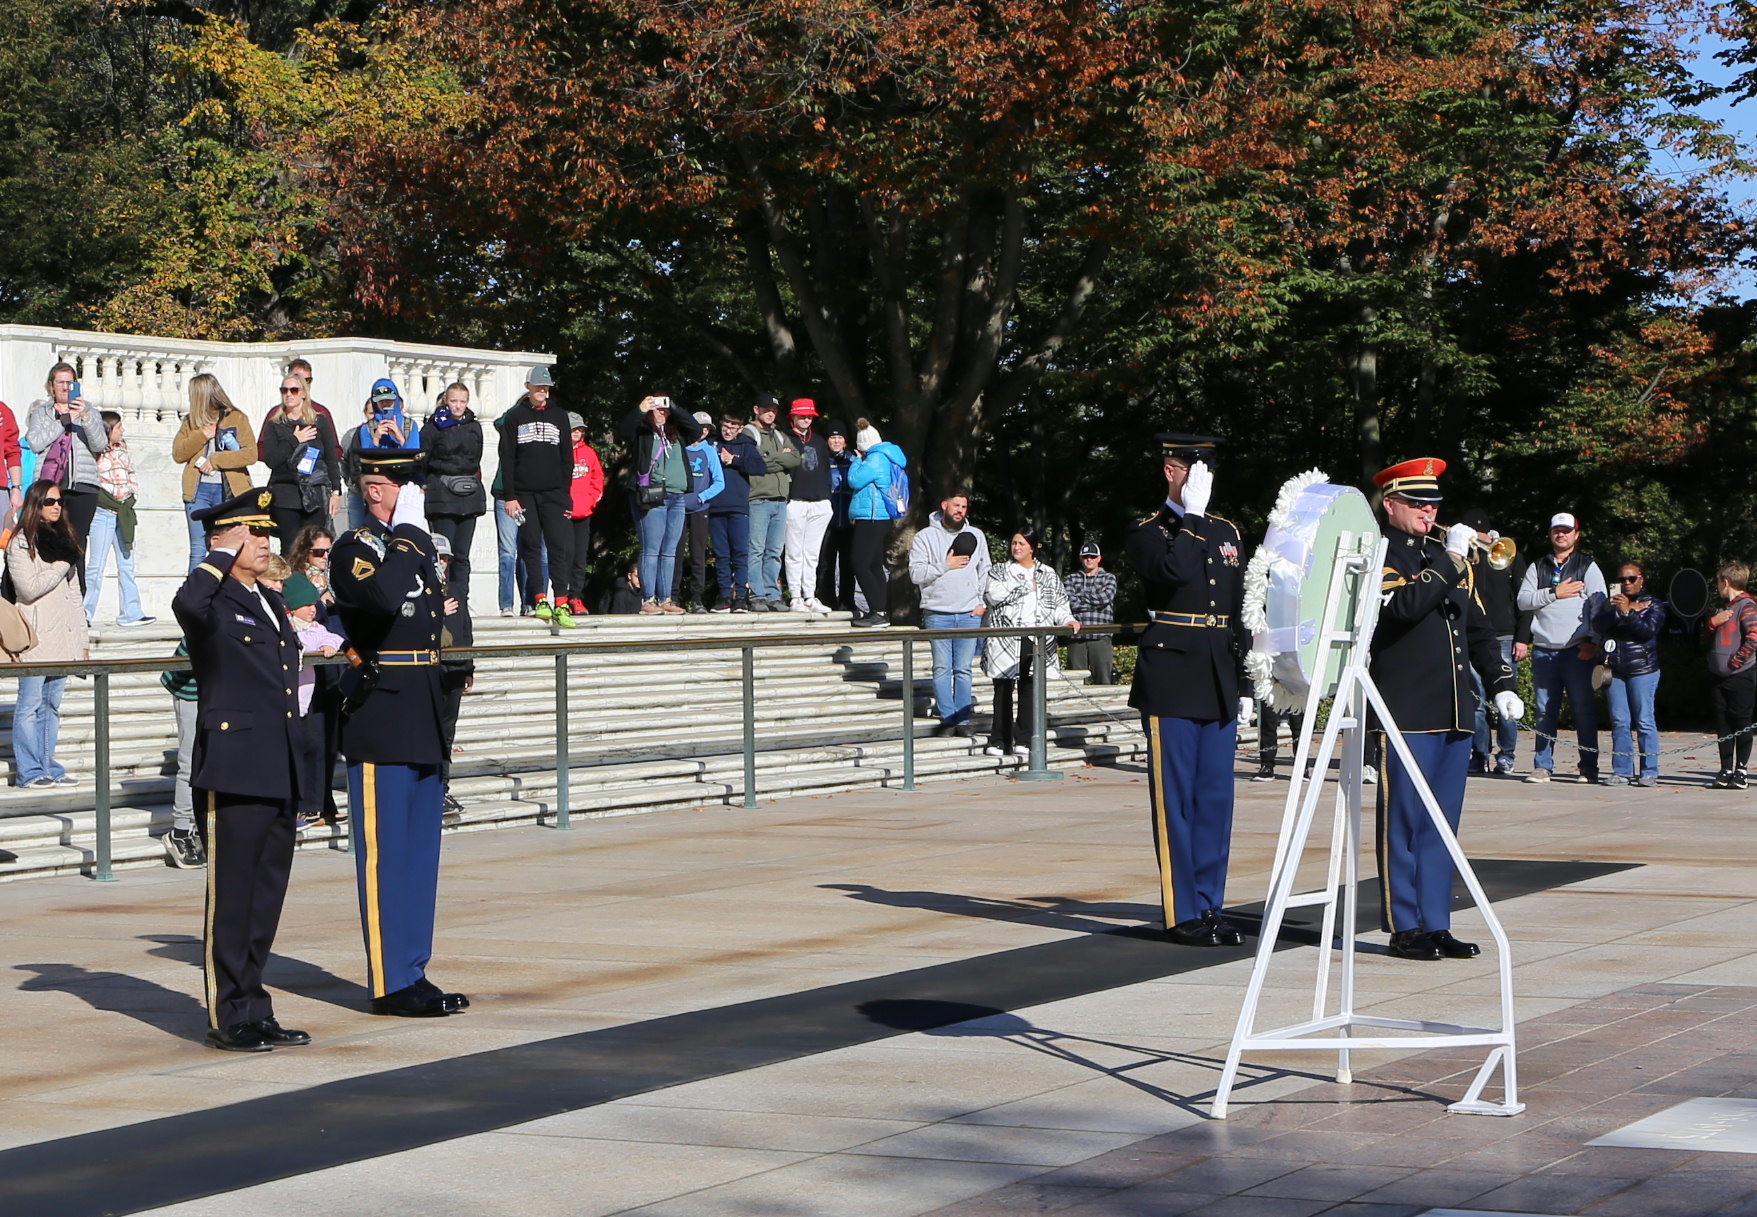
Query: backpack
(895, 496)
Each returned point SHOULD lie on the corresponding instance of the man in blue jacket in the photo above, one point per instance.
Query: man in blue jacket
(872, 475)
(729, 513)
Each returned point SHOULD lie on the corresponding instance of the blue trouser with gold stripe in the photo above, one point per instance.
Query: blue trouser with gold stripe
(1189, 776)
(397, 812)
(1415, 869)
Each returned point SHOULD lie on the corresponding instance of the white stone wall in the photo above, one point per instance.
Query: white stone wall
(146, 381)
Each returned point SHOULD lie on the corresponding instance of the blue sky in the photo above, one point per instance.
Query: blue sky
(1739, 119)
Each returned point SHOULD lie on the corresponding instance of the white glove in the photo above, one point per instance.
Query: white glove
(1458, 539)
(1245, 705)
(411, 507)
(1198, 489)
(1509, 707)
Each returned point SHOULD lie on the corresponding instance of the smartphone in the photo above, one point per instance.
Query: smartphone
(664, 403)
(73, 392)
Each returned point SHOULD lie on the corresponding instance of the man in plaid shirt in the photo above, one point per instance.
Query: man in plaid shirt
(1092, 596)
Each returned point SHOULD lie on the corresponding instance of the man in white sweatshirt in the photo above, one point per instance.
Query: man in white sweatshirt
(1563, 590)
(948, 561)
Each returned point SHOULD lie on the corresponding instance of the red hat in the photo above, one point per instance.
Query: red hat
(803, 405)
(1417, 480)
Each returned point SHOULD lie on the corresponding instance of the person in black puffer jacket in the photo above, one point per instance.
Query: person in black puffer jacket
(1629, 623)
(456, 497)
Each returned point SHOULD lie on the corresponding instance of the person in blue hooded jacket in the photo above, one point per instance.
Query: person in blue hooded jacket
(706, 481)
(871, 474)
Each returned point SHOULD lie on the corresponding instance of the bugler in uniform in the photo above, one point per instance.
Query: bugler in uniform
(1431, 628)
(243, 778)
(387, 590)
(1186, 686)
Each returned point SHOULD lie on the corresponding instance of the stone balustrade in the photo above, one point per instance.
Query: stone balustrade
(146, 380)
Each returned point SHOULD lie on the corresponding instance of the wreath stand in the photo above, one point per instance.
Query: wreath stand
(1354, 576)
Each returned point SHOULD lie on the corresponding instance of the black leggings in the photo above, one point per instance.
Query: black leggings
(1734, 699)
(868, 560)
(289, 520)
(1003, 734)
(461, 532)
(80, 507)
(580, 555)
(546, 523)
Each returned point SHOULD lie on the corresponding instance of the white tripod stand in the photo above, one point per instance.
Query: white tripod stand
(1354, 579)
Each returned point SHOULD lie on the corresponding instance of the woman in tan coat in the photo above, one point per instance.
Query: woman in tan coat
(42, 564)
(216, 448)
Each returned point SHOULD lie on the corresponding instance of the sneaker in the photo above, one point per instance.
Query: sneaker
(1721, 781)
(1646, 780)
(755, 604)
(544, 611)
(798, 606)
(743, 605)
(818, 606)
(1504, 767)
(452, 806)
(1615, 779)
(564, 617)
(67, 779)
(1738, 781)
(1591, 778)
(306, 819)
(1538, 775)
(183, 850)
(993, 751)
(527, 611)
(722, 605)
(878, 621)
(1479, 764)
(775, 604)
(670, 606)
(650, 606)
(43, 783)
(1021, 750)
(508, 612)
(128, 625)
(578, 607)
(1265, 774)
(964, 731)
(696, 606)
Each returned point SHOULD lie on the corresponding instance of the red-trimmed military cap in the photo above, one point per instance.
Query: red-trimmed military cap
(1417, 480)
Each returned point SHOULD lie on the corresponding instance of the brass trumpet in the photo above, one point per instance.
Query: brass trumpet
(1501, 551)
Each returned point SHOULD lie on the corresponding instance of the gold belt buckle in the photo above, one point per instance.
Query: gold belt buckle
(1212, 622)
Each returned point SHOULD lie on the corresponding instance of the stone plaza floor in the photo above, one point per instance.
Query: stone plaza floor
(885, 1003)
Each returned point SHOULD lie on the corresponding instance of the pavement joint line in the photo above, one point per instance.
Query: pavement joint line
(165, 1160)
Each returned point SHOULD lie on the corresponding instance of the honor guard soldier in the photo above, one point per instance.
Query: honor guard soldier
(1432, 629)
(387, 590)
(243, 775)
(1186, 686)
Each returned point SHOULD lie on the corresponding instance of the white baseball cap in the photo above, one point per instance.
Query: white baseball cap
(1563, 520)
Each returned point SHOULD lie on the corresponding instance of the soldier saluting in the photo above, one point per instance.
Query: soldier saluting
(243, 776)
(387, 589)
(1186, 686)
(1431, 626)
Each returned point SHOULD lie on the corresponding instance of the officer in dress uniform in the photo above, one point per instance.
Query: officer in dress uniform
(243, 776)
(1432, 627)
(1186, 686)
(389, 596)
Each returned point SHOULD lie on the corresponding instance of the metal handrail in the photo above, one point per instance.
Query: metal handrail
(562, 649)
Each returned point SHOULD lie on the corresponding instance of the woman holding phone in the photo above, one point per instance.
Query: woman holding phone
(299, 448)
(66, 433)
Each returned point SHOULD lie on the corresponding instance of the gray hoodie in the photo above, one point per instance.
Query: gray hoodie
(944, 590)
(1558, 624)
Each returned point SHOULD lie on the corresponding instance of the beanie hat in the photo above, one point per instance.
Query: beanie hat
(868, 439)
(299, 591)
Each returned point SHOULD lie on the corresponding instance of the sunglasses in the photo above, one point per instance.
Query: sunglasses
(285, 391)
(257, 530)
(51, 502)
(1633, 578)
(319, 553)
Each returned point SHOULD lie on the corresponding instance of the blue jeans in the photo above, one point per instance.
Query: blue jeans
(506, 540)
(768, 537)
(1554, 672)
(659, 528)
(731, 535)
(952, 659)
(1509, 728)
(104, 537)
(1632, 706)
(207, 494)
(36, 725)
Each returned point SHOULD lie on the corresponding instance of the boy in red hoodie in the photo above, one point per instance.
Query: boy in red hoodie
(586, 488)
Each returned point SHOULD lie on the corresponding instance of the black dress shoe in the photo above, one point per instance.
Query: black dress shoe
(1224, 930)
(279, 1036)
(1451, 947)
(1414, 944)
(454, 1002)
(1193, 933)
(239, 1037)
(412, 1002)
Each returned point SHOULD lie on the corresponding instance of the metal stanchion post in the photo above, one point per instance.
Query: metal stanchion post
(101, 710)
(1039, 770)
(908, 714)
(562, 819)
(749, 683)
